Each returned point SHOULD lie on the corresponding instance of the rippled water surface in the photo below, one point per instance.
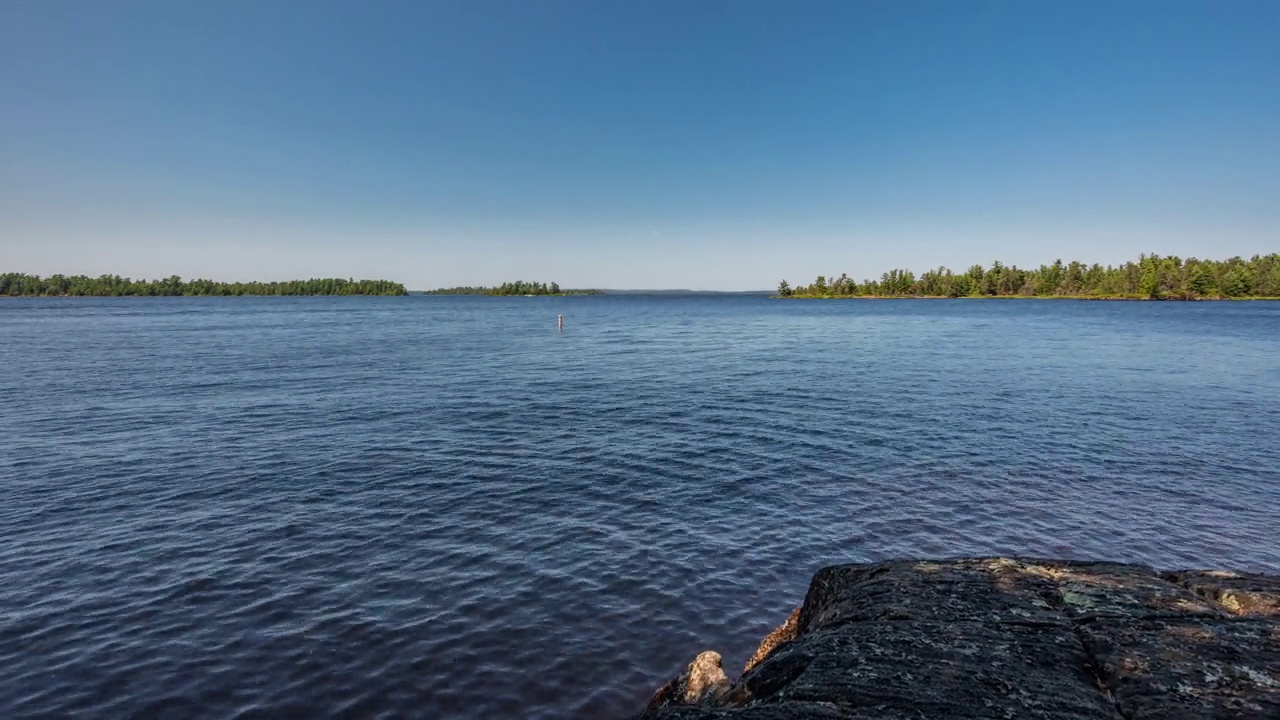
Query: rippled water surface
(441, 507)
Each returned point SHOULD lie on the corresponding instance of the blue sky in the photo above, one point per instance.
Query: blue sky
(711, 145)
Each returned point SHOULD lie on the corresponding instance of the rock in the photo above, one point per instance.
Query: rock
(781, 635)
(703, 681)
(1240, 593)
(706, 678)
(1188, 667)
(1004, 638)
(955, 669)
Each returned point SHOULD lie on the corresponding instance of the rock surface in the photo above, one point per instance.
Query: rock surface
(1004, 638)
(704, 681)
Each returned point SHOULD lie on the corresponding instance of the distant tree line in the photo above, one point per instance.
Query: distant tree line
(1151, 277)
(116, 286)
(518, 287)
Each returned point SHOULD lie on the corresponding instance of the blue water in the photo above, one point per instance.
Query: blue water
(441, 507)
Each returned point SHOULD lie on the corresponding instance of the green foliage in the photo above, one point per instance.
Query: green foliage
(1238, 284)
(843, 285)
(116, 286)
(1202, 283)
(1151, 277)
(519, 287)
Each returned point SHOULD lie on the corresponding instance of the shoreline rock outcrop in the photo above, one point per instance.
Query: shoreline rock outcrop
(1004, 638)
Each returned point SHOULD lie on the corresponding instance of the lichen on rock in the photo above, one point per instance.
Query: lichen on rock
(784, 633)
(703, 681)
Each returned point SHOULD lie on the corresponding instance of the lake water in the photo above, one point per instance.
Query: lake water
(441, 507)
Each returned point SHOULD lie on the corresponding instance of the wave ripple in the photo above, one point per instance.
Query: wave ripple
(440, 507)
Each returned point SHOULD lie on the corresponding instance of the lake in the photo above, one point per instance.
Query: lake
(441, 507)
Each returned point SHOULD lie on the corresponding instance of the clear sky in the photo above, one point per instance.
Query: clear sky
(626, 144)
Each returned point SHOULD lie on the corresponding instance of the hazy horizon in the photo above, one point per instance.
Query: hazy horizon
(686, 145)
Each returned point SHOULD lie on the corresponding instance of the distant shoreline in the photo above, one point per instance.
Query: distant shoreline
(1151, 277)
(435, 293)
(194, 297)
(514, 288)
(25, 285)
(1093, 298)
(697, 293)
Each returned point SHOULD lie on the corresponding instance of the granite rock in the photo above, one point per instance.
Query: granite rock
(1004, 638)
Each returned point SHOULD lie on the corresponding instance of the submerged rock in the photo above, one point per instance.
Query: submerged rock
(1004, 638)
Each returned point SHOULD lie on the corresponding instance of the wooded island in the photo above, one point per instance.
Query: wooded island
(1152, 277)
(517, 287)
(18, 284)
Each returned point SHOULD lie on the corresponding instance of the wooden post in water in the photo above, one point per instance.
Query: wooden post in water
(560, 323)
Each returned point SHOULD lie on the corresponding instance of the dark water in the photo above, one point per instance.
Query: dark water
(440, 507)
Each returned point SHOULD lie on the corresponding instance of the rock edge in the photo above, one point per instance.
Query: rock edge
(1004, 638)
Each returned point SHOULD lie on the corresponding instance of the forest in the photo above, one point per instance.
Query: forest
(518, 287)
(1151, 277)
(14, 284)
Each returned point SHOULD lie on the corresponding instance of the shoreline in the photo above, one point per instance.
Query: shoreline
(1091, 298)
(1088, 298)
(157, 297)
